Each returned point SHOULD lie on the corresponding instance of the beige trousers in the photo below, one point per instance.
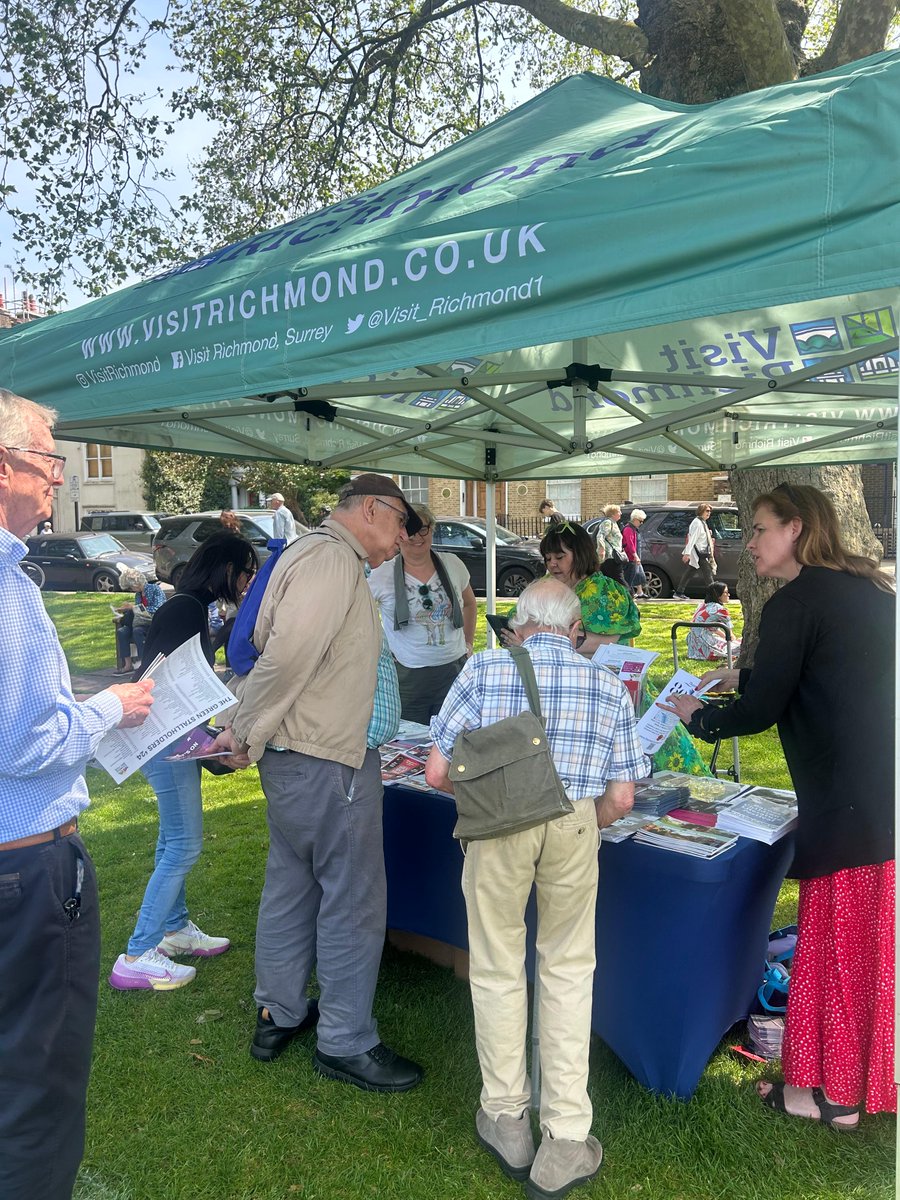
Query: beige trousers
(560, 858)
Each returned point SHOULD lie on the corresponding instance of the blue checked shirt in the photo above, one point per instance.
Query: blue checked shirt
(385, 719)
(46, 736)
(588, 713)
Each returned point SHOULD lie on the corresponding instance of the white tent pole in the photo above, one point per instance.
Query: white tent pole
(490, 520)
(897, 803)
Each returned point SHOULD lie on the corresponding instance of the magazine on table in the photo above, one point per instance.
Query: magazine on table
(625, 827)
(684, 837)
(655, 725)
(187, 693)
(763, 814)
(705, 795)
(400, 766)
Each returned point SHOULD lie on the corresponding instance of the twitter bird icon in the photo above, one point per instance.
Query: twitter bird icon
(353, 323)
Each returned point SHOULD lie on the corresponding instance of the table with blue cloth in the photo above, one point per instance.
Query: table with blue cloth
(681, 941)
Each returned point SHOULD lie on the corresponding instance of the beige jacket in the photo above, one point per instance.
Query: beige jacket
(319, 636)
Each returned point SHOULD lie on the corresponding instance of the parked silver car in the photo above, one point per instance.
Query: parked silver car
(132, 528)
(178, 537)
(664, 534)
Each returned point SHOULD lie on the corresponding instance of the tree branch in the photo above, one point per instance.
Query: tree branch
(861, 29)
(622, 39)
(757, 35)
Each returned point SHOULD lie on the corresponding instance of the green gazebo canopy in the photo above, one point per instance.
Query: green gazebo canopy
(598, 283)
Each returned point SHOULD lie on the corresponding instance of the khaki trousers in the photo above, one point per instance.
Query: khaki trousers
(560, 858)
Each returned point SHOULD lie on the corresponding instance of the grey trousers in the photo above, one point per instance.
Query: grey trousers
(324, 901)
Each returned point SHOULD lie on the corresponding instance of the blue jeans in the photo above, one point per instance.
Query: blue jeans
(164, 909)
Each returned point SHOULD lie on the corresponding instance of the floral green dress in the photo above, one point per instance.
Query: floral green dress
(608, 608)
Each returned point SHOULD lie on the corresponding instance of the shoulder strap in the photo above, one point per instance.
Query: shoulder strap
(522, 663)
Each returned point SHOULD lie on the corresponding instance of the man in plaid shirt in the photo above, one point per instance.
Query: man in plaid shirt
(591, 732)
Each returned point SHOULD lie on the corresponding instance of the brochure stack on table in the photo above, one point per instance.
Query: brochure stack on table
(682, 837)
(764, 814)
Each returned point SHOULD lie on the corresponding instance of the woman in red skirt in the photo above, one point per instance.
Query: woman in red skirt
(824, 673)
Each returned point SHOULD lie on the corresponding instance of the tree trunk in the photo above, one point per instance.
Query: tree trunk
(844, 487)
(700, 53)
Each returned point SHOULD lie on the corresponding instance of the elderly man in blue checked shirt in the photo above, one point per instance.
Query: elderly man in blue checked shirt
(49, 921)
(591, 732)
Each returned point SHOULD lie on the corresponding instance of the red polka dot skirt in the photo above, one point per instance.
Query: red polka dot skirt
(839, 1028)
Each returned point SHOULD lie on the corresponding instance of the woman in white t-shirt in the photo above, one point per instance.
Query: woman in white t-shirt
(428, 611)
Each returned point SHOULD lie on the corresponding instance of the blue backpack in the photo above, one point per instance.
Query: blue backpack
(242, 654)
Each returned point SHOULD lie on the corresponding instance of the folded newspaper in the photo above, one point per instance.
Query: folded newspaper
(187, 693)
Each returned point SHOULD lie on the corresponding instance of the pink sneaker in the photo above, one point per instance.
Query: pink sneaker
(150, 970)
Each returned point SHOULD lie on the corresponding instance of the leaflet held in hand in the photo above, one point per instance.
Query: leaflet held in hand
(187, 692)
(655, 725)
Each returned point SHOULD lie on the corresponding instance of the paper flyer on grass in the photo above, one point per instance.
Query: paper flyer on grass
(187, 693)
(655, 725)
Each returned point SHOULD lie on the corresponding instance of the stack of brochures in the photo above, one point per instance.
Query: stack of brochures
(706, 796)
(624, 828)
(685, 838)
(655, 799)
(765, 1034)
(763, 814)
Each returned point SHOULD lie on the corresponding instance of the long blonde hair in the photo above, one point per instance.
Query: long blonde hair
(819, 543)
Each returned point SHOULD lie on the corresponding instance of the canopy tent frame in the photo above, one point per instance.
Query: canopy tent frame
(551, 447)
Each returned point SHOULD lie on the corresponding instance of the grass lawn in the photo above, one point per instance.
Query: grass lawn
(178, 1109)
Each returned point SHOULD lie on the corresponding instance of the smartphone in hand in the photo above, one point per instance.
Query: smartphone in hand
(499, 623)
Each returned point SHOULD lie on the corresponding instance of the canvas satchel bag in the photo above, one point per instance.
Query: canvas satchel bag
(503, 777)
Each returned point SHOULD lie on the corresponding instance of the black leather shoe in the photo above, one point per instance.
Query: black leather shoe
(270, 1039)
(377, 1070)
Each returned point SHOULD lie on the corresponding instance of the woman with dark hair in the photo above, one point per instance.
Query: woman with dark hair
(230, 522)
(219, 570)
(829, 687)
(608, 612)
(711, 644)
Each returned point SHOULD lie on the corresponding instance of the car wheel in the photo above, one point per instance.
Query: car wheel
(175, 577)
(105, 581)
(513, 581)
(658, 584)
(33, 571)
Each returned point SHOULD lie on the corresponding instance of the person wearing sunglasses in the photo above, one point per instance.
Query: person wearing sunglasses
(823, 672)
(428, 610)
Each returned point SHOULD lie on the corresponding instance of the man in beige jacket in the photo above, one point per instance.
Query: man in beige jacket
(302, 714)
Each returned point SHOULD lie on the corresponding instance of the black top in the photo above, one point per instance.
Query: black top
(176, 622)
(824, 673)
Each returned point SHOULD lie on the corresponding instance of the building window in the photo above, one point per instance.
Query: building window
(566, 496)
(649, 489)
(415, 488)
(99, 461)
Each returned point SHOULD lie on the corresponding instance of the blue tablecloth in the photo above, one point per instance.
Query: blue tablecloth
(681, 942)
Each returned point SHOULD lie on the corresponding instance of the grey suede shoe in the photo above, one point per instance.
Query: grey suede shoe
(561, 1165)
(509, 1139)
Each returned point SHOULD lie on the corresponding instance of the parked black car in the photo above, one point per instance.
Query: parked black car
(518, 559)
(663, 536)
(82, 562)
(178, 537)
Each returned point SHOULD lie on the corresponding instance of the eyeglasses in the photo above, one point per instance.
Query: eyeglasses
(425, 592)
(58, 461)
(402, 518)
(423, 532)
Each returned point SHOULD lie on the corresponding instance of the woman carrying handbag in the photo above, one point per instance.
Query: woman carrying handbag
(698, 556)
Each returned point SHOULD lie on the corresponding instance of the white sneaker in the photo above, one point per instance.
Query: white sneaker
(150, 970)
(192, 940)
(679, 596)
